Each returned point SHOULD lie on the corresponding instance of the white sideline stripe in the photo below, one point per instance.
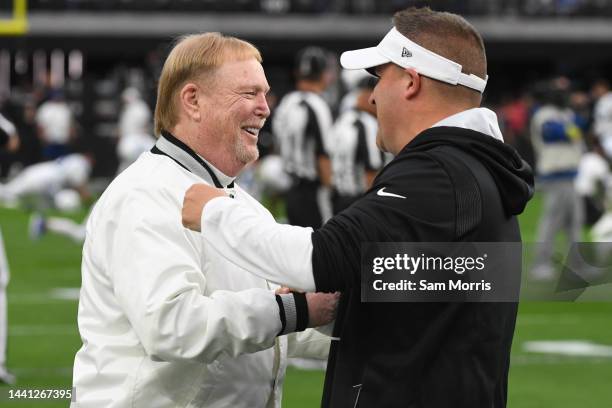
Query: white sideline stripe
(65, 293)
(577, 348)
(41, 330)
(556, 319)
(50, 296)
(553, 359)
(50, 372)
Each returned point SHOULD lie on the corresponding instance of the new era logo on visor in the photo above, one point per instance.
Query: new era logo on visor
(406, 52)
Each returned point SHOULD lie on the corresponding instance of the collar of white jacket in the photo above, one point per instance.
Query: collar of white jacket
(398, 49)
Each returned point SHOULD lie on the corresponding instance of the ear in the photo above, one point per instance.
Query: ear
(412, 84)
(189, 101)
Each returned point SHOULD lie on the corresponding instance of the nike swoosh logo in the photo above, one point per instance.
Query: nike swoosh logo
(382, 193)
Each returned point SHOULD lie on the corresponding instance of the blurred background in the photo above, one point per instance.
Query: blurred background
(77, 90)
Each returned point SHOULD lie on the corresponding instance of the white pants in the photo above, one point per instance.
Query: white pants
(4, 279)
(68, 228)
(562, 212)
(41, 178)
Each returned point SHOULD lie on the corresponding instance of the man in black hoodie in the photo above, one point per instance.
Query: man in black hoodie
(452, 180)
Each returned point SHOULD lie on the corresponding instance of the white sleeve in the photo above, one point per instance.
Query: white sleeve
(310, 343)
(276, 252)
(155, 268)
(603, 116)
(7, 126)
(586, 178)
(41, 115)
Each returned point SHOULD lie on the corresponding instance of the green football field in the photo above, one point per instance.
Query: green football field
(573, 370)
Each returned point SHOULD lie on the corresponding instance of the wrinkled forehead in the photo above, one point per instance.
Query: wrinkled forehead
(240, 72)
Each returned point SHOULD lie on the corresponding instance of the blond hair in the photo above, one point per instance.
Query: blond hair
(446, 34)
(193, 58)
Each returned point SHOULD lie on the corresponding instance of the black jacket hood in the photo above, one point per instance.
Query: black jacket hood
(513, 176)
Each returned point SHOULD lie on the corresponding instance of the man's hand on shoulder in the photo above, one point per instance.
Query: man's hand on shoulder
(195, 199)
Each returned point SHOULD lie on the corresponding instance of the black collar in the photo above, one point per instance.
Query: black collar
(184, 156)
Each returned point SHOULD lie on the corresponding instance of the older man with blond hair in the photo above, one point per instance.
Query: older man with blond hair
(165, 320)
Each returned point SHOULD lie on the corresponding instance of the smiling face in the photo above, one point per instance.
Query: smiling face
(235, 109)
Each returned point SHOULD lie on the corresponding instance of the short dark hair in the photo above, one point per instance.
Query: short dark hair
(311, 63)
(446, 34)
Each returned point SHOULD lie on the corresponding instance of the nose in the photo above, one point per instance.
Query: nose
(262, 109)
(371, 99)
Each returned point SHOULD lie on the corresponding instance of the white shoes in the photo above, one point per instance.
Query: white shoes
(6, 377)
(543, 273)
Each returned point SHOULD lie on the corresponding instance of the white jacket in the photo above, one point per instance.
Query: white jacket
(165, 320)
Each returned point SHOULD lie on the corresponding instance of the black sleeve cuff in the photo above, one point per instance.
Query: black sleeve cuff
(283, 318)
(301, 307)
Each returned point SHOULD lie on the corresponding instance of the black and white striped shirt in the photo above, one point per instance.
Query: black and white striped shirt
(302, 125)
(7, 130)
(354, 151)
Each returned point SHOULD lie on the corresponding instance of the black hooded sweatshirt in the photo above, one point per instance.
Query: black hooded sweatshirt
(460, 185)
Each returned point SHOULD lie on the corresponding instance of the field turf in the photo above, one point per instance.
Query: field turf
(43, 335)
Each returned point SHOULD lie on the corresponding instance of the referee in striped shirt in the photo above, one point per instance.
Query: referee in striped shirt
(301, 126)
(355, 157)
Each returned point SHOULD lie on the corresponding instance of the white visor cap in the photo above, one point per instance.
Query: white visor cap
(398, 49)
